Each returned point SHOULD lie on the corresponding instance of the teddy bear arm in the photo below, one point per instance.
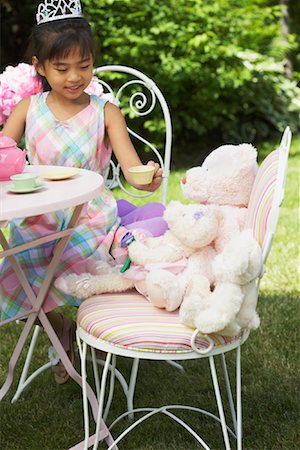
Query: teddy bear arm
(240, 261)
(164, 289)
(143, 253)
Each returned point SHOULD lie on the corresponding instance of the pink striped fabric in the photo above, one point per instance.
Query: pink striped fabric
(129, 321)
(262, 195)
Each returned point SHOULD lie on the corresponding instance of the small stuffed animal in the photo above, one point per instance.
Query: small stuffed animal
(192, 229)
(212, 288)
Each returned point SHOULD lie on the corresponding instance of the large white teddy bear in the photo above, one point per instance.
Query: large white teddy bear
(225, 180)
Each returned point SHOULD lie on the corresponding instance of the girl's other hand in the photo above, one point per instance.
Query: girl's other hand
(157, 177)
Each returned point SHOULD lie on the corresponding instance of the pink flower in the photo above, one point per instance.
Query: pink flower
(94, 87)
(16, 83)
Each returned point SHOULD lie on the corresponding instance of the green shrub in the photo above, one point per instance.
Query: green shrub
(215, 62)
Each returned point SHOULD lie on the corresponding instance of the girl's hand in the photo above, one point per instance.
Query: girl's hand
(157, 177)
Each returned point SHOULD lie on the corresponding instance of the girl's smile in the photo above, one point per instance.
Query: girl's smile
(74, 89)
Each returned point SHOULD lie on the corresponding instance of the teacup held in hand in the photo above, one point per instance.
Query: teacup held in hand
(142, 174)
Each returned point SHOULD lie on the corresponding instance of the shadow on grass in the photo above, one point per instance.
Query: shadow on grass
(52, 414)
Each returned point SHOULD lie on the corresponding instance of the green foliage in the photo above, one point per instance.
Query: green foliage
(219, 63)
(294, 14)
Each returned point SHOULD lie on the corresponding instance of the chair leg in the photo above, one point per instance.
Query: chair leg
(219, 402)
(229, 393)
(24, 379)
(101, 399)
(111, 387)
(95, 371)
(176, 365)
(131, 387)
(92, 440)
(239, 431)
(84, 395)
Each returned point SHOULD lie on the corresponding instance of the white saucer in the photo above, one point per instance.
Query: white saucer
(11, 188)
(62, 174)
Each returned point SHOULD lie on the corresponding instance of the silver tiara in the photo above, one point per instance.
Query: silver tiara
(50, 10)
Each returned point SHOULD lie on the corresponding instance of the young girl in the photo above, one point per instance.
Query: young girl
(67, 127)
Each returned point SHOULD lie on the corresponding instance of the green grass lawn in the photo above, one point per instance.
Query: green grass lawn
(49, 416)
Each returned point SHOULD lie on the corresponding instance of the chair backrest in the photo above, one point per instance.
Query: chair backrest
(267, 195)
(141, 95)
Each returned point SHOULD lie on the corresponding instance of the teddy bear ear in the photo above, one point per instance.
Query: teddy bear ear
(247, 154)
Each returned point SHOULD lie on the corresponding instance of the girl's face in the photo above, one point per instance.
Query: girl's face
(68, 76)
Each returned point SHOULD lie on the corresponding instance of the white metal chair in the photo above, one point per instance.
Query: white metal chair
(128, 325)
(139, 97)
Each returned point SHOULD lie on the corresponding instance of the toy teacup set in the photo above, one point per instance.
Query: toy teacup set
(13, 163)
(207, 263)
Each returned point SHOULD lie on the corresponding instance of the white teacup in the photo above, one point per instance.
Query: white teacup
(24, 180)
(142, 174)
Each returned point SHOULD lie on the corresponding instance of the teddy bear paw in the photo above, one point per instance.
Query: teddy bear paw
(164, 290)
(76, 285)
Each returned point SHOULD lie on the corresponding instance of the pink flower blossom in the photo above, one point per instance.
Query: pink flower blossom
(94, 87)
(16, 83)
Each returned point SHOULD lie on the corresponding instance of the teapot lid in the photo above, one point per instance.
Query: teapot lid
(6, 141)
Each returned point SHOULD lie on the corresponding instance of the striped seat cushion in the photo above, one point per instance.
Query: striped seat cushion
(130, 322)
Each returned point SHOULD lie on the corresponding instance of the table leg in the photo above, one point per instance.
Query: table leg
(66, 361)
(29, 322)
(16, 354)
(37, 302)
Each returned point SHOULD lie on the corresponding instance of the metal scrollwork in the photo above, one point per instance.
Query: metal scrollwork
(138, 100)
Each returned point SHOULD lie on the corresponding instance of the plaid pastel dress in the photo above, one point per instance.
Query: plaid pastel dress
(77, 142)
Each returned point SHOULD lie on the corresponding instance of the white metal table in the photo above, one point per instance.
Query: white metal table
(56, 195)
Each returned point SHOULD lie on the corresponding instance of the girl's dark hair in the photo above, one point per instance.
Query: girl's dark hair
(57, 39)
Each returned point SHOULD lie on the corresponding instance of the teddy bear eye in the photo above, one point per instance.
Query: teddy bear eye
(198, 215)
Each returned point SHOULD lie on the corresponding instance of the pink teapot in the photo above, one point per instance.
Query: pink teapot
(12, 159)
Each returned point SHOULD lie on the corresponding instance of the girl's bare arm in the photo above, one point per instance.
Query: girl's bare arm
(15, 124)
(124, 150)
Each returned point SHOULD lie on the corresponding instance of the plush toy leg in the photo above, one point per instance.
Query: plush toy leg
(247, 316)
(223, 305)
(197, 298)
(164, 289)
(241, 260)
(85, 285)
